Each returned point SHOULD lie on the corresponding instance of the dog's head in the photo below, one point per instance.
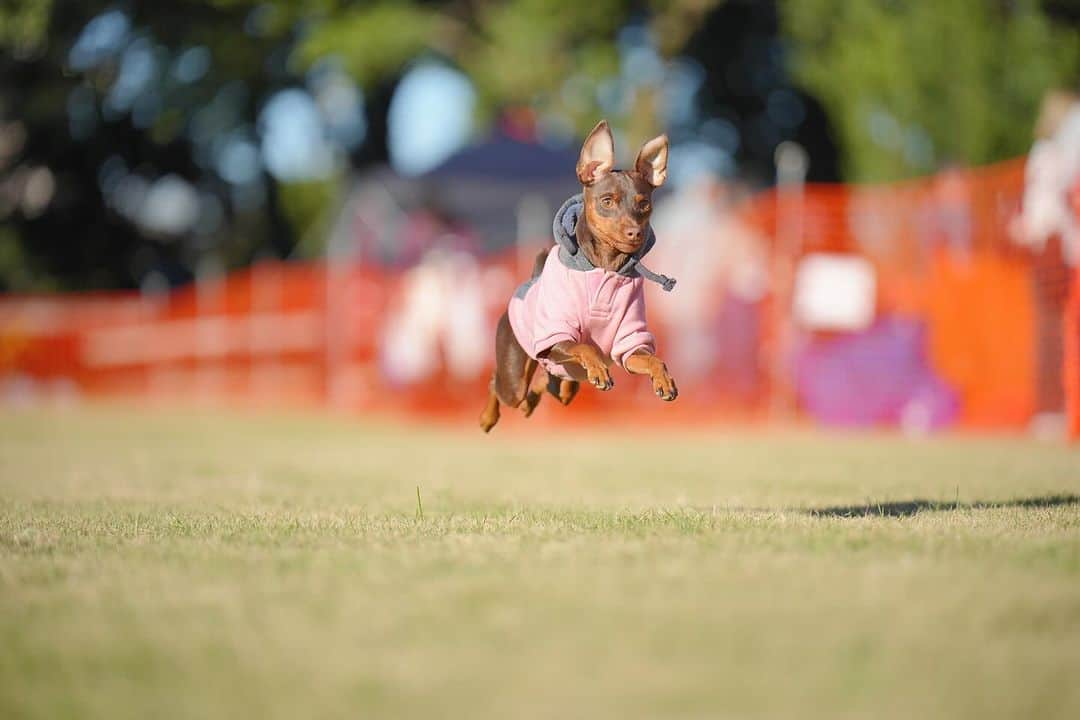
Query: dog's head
(618, 203)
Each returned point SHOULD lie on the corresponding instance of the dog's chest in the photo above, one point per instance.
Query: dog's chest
(606, 293)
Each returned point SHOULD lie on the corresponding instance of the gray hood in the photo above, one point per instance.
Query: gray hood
(565, 231)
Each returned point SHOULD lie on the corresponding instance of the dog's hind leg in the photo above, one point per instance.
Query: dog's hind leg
(561, 389)
(512, 382)
(514, 371)
(490, 416)
(536, 390)
(527, 395)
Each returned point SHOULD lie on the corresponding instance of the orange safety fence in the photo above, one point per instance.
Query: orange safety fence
(1072, 341)
(942, 255)
(989, 320)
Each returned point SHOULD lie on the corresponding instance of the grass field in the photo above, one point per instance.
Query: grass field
(201, 565)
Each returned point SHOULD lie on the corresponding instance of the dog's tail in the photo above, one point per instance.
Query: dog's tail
(538, 264)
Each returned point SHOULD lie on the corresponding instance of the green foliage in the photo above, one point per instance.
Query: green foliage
(307, 207)
(916, 84)
(374, 41)
(23, 24)
(14, 265)
(516, 52)
(531, 47)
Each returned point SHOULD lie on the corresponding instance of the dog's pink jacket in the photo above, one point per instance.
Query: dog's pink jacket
(580, 305)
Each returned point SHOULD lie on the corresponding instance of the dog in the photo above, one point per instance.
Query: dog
(583, 309)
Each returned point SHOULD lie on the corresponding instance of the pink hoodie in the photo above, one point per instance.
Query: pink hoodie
(580, 305)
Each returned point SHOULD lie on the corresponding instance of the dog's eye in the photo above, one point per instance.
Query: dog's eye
(644, 207)
(607, 202)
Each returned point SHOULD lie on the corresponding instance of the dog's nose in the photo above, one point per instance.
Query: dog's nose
(633, 234)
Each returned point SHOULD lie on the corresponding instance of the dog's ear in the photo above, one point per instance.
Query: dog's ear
(597, 154)
(651, 161)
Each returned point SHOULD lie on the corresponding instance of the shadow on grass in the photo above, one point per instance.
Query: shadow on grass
(911, 507)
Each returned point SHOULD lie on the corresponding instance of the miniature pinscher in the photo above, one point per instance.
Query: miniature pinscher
(584, 307)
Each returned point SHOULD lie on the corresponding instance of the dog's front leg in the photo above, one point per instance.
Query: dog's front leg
(588, 357)
(644, 362)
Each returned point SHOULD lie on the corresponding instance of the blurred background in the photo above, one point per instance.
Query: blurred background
(871, 207)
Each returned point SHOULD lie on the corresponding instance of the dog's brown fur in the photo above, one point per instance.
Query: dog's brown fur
(618, 205)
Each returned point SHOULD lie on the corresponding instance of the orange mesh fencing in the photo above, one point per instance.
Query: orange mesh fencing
(1072, 342)
(1072, 361)
(365, 338)
(943, 257)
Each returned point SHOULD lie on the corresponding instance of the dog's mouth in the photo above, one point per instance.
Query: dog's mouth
(621, 242)
(625, 246)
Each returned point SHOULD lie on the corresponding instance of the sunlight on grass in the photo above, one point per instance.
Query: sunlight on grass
(201, 565)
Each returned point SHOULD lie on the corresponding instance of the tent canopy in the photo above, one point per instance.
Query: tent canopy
(502, 189)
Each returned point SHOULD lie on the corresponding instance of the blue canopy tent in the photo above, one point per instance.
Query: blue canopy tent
(502, 184)
(503, 189)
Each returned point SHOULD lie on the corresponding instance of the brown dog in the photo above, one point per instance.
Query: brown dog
(583, 310)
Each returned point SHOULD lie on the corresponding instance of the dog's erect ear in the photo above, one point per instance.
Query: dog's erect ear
(651, 161)
(597, 154)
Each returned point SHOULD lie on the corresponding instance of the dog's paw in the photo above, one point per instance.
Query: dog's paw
(532, 399)
(664, 385)
(599, 377)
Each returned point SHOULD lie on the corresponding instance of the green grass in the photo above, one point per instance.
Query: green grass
(203, 565)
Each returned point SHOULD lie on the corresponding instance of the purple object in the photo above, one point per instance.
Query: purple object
(877, 377)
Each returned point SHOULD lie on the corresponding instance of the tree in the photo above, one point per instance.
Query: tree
(912, 85)
(77, 121)
(80, 136)
(516, 52)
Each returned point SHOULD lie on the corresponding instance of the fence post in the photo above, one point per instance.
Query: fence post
(337, 264)
(265, 375)
(154, 299)
(533, 225)
(791, 166)
(210, 340)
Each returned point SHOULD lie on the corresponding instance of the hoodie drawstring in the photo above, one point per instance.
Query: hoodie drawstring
(668, 283)
(565, 224)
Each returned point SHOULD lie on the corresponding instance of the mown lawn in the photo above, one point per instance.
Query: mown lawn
(209, 565)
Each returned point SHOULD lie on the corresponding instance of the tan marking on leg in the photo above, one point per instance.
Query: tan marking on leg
(536, 388)
(526, 380)
(490, 416)
(567, 390)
